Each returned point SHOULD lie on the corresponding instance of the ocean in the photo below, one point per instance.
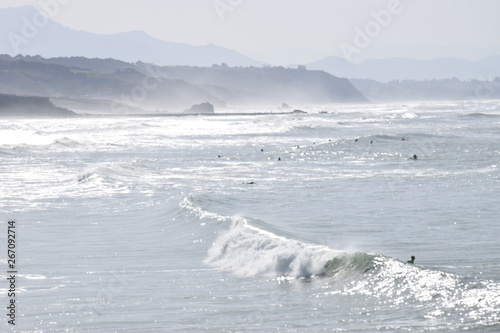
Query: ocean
(255, 223)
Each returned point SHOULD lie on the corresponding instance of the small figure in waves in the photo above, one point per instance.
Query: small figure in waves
(411, 261)
(415, 156)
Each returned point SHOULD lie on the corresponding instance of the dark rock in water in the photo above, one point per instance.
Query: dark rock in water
(201, 108)
(299, 111)
(30, 106)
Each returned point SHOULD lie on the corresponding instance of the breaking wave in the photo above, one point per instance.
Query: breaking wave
(245, 248)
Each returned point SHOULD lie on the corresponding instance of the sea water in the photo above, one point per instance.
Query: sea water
(255, 223)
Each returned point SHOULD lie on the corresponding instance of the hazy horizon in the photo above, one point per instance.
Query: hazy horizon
(296, 32)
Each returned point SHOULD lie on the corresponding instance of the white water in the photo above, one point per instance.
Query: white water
(136, 224)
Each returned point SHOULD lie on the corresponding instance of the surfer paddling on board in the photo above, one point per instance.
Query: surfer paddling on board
(411, 261)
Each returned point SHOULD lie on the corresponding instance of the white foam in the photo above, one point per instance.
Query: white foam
(246, 250)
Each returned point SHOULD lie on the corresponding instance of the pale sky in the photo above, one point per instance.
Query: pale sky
(282, 32)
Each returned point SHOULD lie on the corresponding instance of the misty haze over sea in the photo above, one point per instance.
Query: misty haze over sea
(235, 166)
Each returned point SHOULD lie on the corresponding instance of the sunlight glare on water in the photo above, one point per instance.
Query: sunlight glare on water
(296, 223)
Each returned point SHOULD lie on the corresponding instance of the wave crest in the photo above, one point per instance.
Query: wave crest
(249, 251)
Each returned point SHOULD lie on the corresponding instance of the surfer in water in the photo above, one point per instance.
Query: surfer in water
(411, 261)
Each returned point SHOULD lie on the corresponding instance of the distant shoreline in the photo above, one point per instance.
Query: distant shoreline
(163, 115)
(13, 106)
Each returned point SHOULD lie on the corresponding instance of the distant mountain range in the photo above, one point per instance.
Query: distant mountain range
(24, 31)
(385, 70)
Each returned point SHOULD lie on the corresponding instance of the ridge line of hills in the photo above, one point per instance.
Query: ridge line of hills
(109, 86)
(115, 87)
